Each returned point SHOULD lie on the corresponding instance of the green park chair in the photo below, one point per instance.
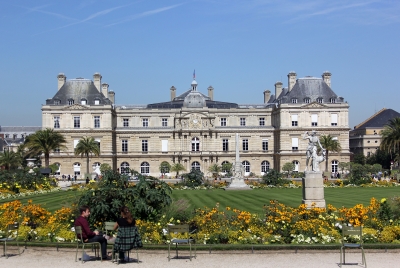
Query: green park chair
(351, 232)
(185, 239)
(108, 228)
(97, 245)
(11, 235)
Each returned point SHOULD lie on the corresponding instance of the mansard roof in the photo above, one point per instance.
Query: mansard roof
(379, 119)
(309, 87)
(77, 90)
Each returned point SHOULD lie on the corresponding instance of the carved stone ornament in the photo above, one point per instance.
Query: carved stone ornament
(314, 105)
(77, 107)
(195, 121)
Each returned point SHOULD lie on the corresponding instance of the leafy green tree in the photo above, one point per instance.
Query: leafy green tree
(10, 160)
(227, 168)
(215, 169)
(53, 168)
(343, 166)
(86, 147)
(358, 174)
(146, 200)
(274, 177)
(165, 167)
(330, 144)
(359, 159)
(44, 142)
(381, 157)
(104, 167)
(194, 178)
(177, 167)
(391, 137)
(288, 167)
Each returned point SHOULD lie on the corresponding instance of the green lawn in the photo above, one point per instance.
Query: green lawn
(251, 201)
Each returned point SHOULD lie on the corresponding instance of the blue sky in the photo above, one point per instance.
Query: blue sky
(241, 48)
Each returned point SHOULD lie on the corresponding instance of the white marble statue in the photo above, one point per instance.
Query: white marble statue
(313, 142)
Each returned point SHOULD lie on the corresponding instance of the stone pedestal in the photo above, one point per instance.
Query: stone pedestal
(313, 189)
(238, 184)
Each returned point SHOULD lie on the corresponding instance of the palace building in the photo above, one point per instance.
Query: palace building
(194, 129)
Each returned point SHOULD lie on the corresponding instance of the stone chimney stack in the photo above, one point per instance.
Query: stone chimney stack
(291, 80)
(278, 89)
(267, 96)
(61, 80)
(104, 89)
(327, 78)
(111, 96)
(97, 81)
(211, 92)
(173, 93)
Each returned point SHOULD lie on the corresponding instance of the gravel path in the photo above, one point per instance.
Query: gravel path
(35, 257)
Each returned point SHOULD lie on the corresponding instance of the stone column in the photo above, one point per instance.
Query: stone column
(313, 189)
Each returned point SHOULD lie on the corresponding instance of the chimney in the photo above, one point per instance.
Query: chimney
(61, 80)
(97, 81)
(278, 89)
(327, 78)
(111, 96)
(291, 80)
(211, 92)
(267, 96)
(173, 93)
(104, 89)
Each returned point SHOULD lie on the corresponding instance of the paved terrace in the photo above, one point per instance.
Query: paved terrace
(35, 257)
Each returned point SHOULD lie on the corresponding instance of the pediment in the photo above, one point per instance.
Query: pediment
(314, 105)
(77, 107)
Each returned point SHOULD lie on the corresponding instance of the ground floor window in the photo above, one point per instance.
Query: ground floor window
(196, 165)
(296, 165)
(264, 166)
(246, 166)
(124, 168)
(334, 165)
(145, 168)
(77, 169)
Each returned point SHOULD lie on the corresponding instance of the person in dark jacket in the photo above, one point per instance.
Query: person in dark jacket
(87, 234)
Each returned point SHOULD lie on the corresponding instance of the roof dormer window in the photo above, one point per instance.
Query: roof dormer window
(332, 100)
(57, 102)
(320, 100)
(96, 102)
(294, 100)
(307, 100)
(83, 101)
(70, 102)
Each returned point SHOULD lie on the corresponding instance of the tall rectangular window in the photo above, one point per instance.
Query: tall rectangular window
(164, 122)
(124, 146)
(223, 122)
(242, 121)
(145, 146)
(145, 122)
(225, 145)
(295, 144)
(314, 120)
(261, 121)
(265, 145)
(334, 120)
(125, 122)
(164, 145)
(56, 122)
(77, 121)
(245, 144)
(294, 120)
(97, 121)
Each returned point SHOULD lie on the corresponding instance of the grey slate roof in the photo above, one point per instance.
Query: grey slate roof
(308, 87)
(179, 102)
(380, 119)
(78, 89)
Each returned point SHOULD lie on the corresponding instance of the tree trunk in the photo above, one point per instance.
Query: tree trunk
(326, 160)
(87, 163)
(46, 160)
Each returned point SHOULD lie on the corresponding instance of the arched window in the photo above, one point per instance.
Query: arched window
(77, 169)
(296, 165)
(96, 168)
(195, 144)
(196, 165)
(224, 166)
(58, 171)
(264, 166)
(246, 165)
(334, 165)
(145, 168)
(124, 168)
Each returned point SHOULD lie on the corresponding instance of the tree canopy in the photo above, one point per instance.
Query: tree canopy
(330, 144)
(86, 147)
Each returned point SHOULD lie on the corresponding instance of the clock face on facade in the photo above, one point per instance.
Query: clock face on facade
(195, 121)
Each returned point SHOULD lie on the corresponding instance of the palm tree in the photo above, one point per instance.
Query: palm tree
(85, 147)
(215, 170)
(9, 159)
(44, 142)
(177, 167)
(329, 143)
(391, 136)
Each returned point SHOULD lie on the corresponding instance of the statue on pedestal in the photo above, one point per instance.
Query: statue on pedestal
(312, 149)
